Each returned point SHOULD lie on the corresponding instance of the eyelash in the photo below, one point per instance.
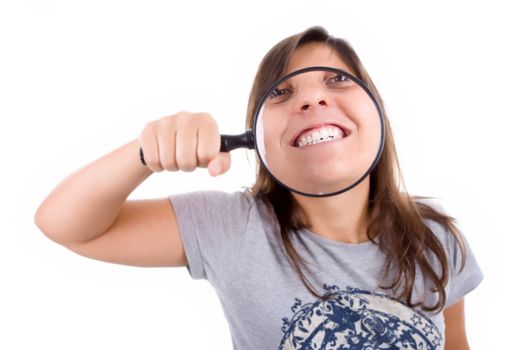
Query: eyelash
(278, 92)
(339, 76)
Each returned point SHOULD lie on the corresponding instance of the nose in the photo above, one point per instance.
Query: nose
(311, 98)
(306, 105)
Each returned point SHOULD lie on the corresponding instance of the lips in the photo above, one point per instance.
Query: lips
(311, 128)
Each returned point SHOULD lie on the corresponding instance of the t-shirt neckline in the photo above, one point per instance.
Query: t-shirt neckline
(323, 240)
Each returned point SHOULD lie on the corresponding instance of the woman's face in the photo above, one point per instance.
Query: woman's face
(321, 130)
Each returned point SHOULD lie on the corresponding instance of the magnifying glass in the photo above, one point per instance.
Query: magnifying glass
(318, 131)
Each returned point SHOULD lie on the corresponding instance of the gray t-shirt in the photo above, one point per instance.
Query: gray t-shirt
(234, 242)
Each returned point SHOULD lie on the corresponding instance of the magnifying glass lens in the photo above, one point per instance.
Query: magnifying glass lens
(318, 131)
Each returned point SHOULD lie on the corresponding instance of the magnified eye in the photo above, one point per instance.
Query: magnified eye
(340, 80)
(279, 94)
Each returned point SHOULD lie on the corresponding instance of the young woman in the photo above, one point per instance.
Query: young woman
(370, 268)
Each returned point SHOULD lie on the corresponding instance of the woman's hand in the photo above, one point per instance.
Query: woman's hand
(184, 141)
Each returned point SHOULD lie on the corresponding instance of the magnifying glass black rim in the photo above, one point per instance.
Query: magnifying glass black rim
(334, 70)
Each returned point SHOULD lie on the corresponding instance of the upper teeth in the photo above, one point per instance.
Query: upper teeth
(320, 135)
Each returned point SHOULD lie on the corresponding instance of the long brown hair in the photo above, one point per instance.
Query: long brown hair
(405, 239)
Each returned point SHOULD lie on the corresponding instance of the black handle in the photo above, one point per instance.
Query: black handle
(231, 142)
(228, 143)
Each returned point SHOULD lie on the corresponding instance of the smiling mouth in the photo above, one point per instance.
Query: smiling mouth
(320, 134)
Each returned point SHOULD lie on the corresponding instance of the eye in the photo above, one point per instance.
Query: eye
(278, 92)
(340, 81)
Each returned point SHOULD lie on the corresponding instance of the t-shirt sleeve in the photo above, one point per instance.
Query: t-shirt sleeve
(461, 280)
(212, 225)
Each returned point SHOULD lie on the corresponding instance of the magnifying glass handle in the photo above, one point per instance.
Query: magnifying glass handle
(231, 142)
(228, 143)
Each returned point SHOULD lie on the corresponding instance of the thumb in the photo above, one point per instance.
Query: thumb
(220, 164)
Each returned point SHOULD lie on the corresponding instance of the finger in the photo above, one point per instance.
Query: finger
(186, 149)
(220, 164)
(166, 142)
(148, 142)
(208, 144)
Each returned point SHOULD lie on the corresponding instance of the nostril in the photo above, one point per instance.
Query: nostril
(306, 106)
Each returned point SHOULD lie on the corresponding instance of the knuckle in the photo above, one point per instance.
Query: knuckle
(166, 124)
(186, 163)
(181, 113)
(207, 119)
(206, 155)
(148, 130)
(170, 166)
(154, 165)
(150, 124)
(167, 162)
(200, 118)
(165, 137)
(182, 117)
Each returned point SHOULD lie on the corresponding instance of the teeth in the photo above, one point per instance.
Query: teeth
(321, 135)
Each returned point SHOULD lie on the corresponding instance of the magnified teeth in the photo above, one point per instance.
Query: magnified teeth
(323, 134)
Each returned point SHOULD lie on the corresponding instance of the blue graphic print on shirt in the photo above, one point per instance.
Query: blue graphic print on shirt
(358, 319)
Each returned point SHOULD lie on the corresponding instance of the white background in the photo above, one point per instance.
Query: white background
(79, 79)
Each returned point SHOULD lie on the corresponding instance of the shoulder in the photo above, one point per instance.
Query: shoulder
(444, 228)
(437, 219)
(465, 273)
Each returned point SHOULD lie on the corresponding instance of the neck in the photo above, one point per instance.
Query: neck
(343, 217)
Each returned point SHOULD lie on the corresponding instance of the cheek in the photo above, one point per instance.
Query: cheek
(273, 130)
(363, 113)
(370, 126)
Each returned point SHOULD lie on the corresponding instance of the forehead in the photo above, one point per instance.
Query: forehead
(316, 54)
